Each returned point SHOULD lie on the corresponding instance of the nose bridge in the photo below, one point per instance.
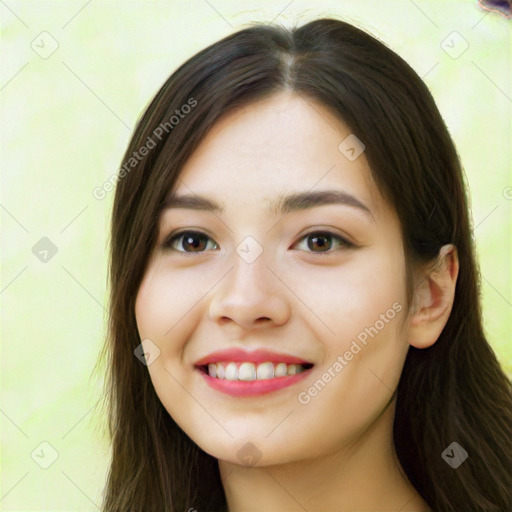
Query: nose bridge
(250, 273)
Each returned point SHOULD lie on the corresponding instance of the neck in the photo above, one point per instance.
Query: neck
(361, 475)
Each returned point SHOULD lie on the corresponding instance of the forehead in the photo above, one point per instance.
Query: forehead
(280, 144)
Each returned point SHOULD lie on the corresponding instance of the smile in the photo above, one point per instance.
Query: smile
(247, 371)
(239, 372)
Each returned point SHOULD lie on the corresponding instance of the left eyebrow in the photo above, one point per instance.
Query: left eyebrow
(306, 200)
(280, 206)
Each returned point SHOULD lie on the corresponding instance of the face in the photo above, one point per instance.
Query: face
(311, 291)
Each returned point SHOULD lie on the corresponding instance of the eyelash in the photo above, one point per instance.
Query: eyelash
(168, 244)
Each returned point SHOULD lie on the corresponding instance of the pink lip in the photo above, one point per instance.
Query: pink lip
(238, 355)
(255, 387)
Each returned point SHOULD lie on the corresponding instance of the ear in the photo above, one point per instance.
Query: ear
(433, 299)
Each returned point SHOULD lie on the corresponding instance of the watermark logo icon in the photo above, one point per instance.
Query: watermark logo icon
(44, 45)
(44, 455)
(454, 455)
(351, 147)
(147, 352)
(454, 45)
(44, 250)
(249, 455)
(249, 249)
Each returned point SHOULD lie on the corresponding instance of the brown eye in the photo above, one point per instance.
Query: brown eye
(323, 242)
(190, 242)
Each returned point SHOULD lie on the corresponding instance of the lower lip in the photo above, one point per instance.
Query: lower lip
(254, 387)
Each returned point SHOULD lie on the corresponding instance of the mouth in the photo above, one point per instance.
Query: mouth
(241, 373)
(248, 372)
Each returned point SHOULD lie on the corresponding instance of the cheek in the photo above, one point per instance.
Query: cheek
(370, 298)
(166, 301)
(166, 317)
(343, 300)
(161, 318)
(362, 306)
(151, 306)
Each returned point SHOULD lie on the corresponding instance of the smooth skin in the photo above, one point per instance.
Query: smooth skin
(306, 296)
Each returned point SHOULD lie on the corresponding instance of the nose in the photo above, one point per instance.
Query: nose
(250, 296)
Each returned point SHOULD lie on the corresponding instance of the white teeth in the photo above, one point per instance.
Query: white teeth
(221, 371)
(249, 371)
(280, 370)
(231, 371)
(265, 371)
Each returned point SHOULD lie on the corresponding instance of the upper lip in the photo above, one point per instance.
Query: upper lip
(256, 356)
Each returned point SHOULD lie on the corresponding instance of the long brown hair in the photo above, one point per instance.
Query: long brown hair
(454, 391)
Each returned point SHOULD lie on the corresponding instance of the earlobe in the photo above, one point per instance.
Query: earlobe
(433, 299)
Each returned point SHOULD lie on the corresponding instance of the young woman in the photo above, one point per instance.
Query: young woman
(295, 319)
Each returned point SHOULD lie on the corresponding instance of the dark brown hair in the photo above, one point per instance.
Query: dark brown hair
(453, 391)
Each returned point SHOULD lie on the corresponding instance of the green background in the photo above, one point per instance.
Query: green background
(66, 120)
